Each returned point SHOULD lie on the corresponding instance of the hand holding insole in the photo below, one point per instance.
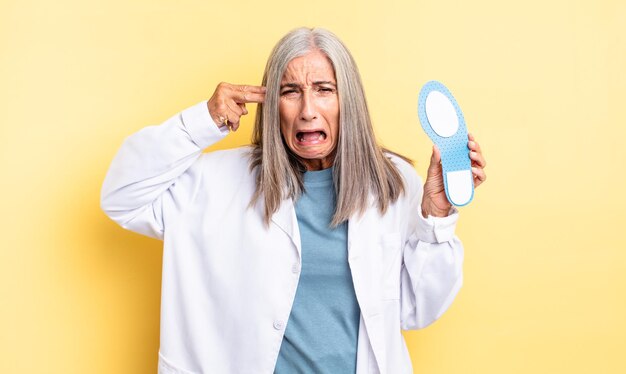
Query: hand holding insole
(442, 120)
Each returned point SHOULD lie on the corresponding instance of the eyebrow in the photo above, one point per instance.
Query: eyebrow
(316, 83)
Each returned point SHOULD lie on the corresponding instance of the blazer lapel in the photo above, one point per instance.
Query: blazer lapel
(362, 265)
(285, 218)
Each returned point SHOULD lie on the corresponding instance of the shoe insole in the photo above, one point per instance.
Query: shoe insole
(442, 120)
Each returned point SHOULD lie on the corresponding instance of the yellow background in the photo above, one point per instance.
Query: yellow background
(541, 84)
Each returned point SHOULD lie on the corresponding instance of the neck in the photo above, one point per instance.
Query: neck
(315, 164)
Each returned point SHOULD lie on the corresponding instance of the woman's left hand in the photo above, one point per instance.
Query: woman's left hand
(435, 202)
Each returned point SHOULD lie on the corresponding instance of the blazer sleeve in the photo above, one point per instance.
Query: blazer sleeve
(155, 171)
(431, 273)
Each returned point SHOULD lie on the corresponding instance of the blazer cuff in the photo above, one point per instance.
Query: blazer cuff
(437, 229)
(201, 127)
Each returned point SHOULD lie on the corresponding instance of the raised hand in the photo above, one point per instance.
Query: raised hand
(435, 202)
(228, 103)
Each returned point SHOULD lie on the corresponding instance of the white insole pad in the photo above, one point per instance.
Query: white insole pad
(460, 186)
(441, 114)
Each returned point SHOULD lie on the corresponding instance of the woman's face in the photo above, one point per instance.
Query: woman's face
(309, 110)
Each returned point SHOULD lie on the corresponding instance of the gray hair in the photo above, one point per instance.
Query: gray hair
(360, 166)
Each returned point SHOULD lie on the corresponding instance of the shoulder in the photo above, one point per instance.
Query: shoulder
(233, 159)
(406, 169)
(227, 164)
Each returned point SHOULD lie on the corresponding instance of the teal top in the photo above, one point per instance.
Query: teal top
(321, 334)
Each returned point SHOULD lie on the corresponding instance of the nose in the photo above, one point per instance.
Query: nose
(308, 110)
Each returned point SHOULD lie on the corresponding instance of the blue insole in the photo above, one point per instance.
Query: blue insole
(455, 159)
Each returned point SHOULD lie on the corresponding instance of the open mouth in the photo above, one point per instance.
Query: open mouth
(310, 137)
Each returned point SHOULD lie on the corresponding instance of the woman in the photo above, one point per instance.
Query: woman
(307, 251)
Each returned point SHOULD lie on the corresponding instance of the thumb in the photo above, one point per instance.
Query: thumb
(436, 157)
(434, 172)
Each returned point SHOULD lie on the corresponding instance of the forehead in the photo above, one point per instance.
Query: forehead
(313, 66)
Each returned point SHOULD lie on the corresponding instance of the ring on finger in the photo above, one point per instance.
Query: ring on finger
(229, 125)
(223, 120)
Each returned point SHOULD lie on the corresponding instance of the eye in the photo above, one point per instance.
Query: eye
(326, 90)
(290, 92)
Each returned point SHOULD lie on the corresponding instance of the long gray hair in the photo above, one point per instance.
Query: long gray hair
(360, 166)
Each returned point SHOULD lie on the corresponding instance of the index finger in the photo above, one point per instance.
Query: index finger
(472, 141)
(242, 97)
(248, 88)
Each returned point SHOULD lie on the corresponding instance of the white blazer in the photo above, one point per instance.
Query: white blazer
(229, 280)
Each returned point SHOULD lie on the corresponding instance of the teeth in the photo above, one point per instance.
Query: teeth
(320, 135)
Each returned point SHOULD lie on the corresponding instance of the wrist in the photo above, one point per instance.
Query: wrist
(430, 209)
